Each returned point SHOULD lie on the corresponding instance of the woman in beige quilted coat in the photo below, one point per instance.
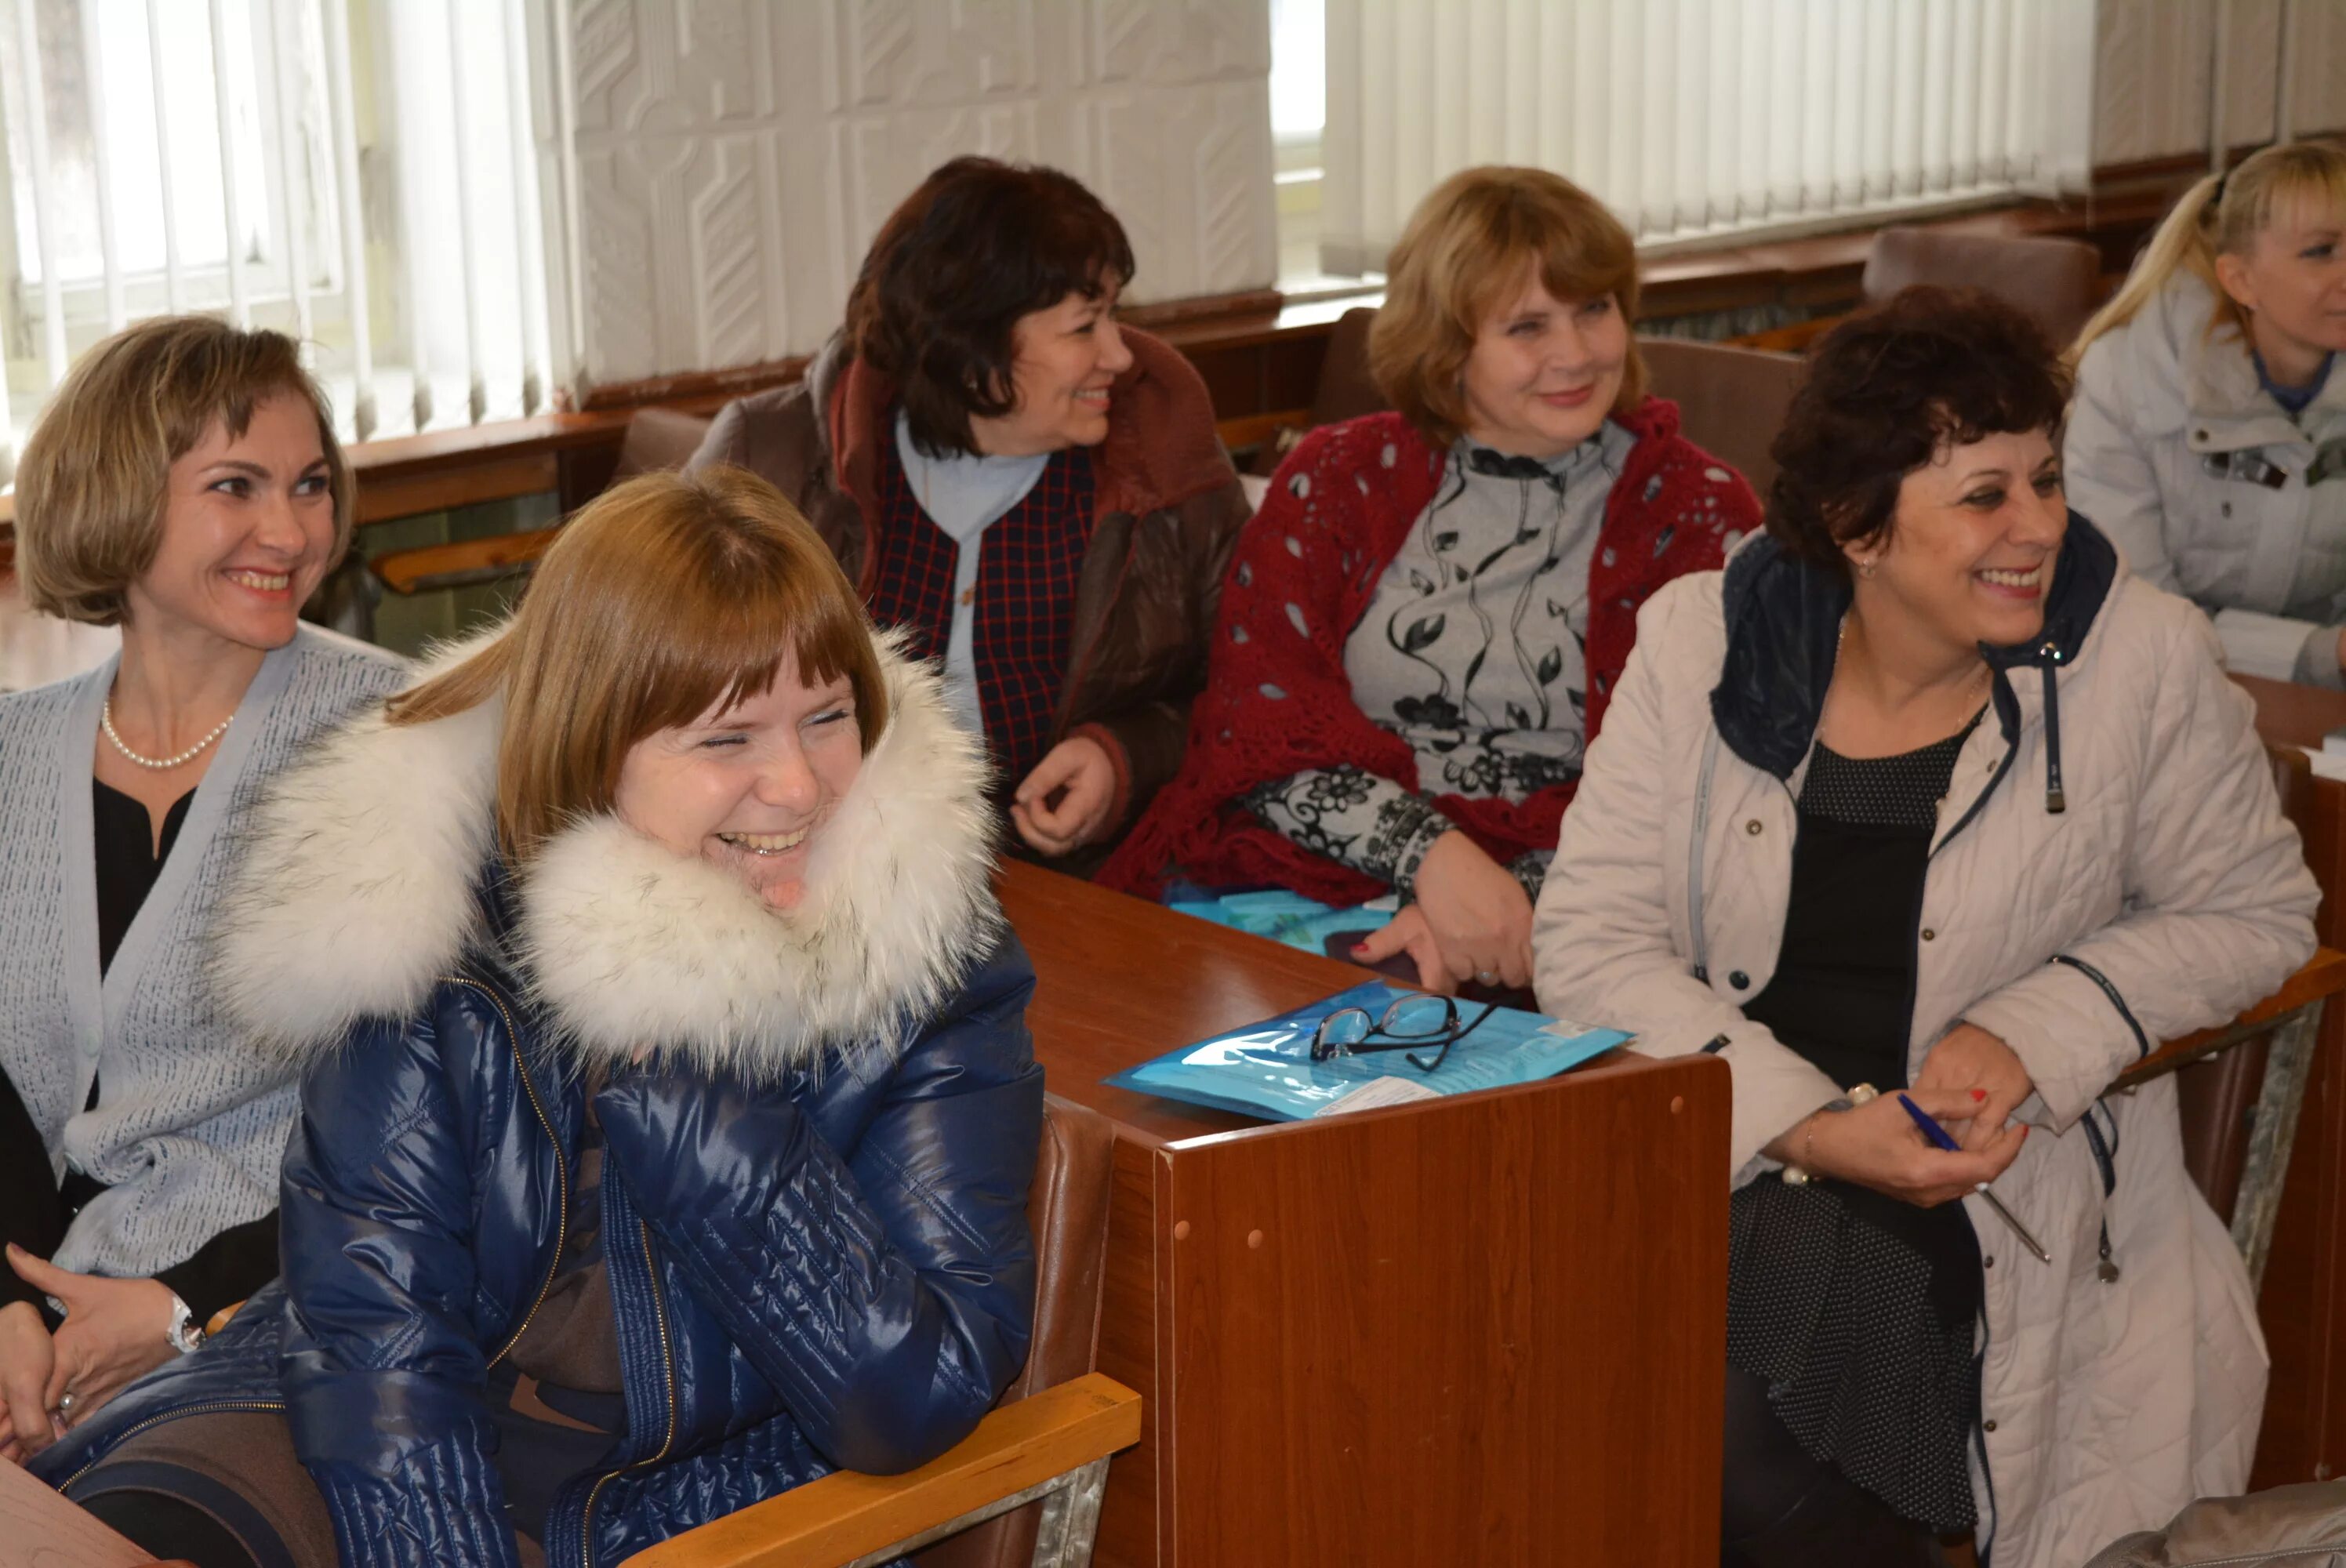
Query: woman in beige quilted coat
(1925, 794)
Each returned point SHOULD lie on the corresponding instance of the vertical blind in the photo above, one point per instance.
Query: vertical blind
(1694, 119)
(255, 159)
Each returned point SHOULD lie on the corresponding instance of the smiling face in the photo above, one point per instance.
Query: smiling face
(1066, 358)
(1544, 372)
(247, 531)
(749, 788)
(2292, 282)
(1971, 547)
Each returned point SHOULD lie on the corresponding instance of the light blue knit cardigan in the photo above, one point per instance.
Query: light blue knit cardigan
(191, 1122)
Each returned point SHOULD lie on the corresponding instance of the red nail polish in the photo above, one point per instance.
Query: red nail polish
(1979, 1094)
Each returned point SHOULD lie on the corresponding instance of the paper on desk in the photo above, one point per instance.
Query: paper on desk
(2326, 764)
(1265, 1069)
(1376, 1092)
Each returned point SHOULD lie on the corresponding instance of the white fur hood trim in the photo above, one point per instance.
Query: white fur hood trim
(358, 892)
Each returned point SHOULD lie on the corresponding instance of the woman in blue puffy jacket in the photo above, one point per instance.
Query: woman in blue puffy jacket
(669, 1112)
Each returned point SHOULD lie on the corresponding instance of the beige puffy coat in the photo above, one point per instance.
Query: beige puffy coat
(2171, 873)
(2165, 448)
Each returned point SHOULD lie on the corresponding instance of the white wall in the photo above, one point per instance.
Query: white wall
(728, 160)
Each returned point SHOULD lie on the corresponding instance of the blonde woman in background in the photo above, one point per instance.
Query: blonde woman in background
(2208, 435)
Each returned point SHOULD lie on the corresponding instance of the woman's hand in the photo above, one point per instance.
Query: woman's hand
(1408, 932)
(114, 1331)
(1878, 1145)
(1079, 771)
(1968, 1057)
(1479, 914)
(26, 1360)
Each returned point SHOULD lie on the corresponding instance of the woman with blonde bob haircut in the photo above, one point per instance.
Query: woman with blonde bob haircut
(668, 1106)
(184, 485)
(2208, 435)
(1423, 623)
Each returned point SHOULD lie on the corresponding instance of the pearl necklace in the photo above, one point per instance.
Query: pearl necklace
(161, 764)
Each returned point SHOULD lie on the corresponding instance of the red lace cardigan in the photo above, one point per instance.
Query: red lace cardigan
(1277, 701)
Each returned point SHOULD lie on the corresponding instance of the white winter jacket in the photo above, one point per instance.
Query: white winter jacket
(2202, 482)
(2167, 895)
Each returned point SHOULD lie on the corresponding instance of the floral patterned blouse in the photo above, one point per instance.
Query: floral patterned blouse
(1471, 651)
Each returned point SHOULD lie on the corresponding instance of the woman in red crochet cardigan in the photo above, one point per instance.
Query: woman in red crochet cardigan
(1421, 627)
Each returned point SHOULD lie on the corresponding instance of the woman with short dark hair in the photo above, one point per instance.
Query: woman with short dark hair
(1034, 493)
(1424, 626)
(1924, 792)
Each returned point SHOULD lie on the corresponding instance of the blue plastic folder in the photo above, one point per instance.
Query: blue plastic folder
(1265, 1069)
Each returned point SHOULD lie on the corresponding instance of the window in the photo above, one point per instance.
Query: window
(1298, 115)
(1701, 121)
(258, 158)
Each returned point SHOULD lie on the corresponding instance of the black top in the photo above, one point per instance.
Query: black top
(1842, 996)
(1855, 1308)
(127, 863)
(239, 1260)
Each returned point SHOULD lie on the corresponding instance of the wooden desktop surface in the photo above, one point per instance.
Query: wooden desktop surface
(1484, 1328)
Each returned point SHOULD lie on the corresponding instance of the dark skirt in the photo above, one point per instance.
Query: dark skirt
(1858, 1313)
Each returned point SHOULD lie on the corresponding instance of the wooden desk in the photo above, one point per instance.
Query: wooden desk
(2303, 1303)
(1482, 1329)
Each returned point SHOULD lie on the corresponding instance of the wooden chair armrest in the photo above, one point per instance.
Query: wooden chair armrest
(846, 1516)
(454, 565)
(2323, 977)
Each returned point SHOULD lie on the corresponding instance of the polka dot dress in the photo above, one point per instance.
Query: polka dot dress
(1899, 791)
(1857, 1309)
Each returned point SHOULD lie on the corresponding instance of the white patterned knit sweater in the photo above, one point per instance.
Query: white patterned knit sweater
(191, 1123)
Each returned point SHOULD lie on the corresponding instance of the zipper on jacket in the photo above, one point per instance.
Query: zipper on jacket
(561, 1165)
(1694, 864)
(668, 1440)
(208, 1408)
(1063, 722)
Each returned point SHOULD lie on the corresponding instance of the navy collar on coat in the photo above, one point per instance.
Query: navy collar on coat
(1783, 629)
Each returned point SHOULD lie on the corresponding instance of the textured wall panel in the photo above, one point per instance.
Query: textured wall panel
(734, 158)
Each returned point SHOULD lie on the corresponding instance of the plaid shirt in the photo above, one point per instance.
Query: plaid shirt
(1027, 565)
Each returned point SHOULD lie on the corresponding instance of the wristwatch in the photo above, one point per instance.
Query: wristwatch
(184, 1333)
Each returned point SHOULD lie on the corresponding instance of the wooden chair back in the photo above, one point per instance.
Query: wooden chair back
(2218, 1096)
(2057, 282)
(1067, 1210)
(1731, 401)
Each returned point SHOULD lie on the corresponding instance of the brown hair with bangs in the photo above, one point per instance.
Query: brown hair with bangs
(1461, 260)
(96, 475)
(979, 244)
(666, 596)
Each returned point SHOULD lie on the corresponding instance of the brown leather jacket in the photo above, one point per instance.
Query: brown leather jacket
(1169, 511)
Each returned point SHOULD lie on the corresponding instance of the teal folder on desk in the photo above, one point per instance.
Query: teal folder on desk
(1265, 1069)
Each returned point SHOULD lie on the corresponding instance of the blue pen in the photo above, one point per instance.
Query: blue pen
(1938, 1136)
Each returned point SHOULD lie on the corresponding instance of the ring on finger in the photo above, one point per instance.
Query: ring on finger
(65, 1403)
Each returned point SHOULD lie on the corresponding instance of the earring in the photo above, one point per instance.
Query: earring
(1865, 569)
